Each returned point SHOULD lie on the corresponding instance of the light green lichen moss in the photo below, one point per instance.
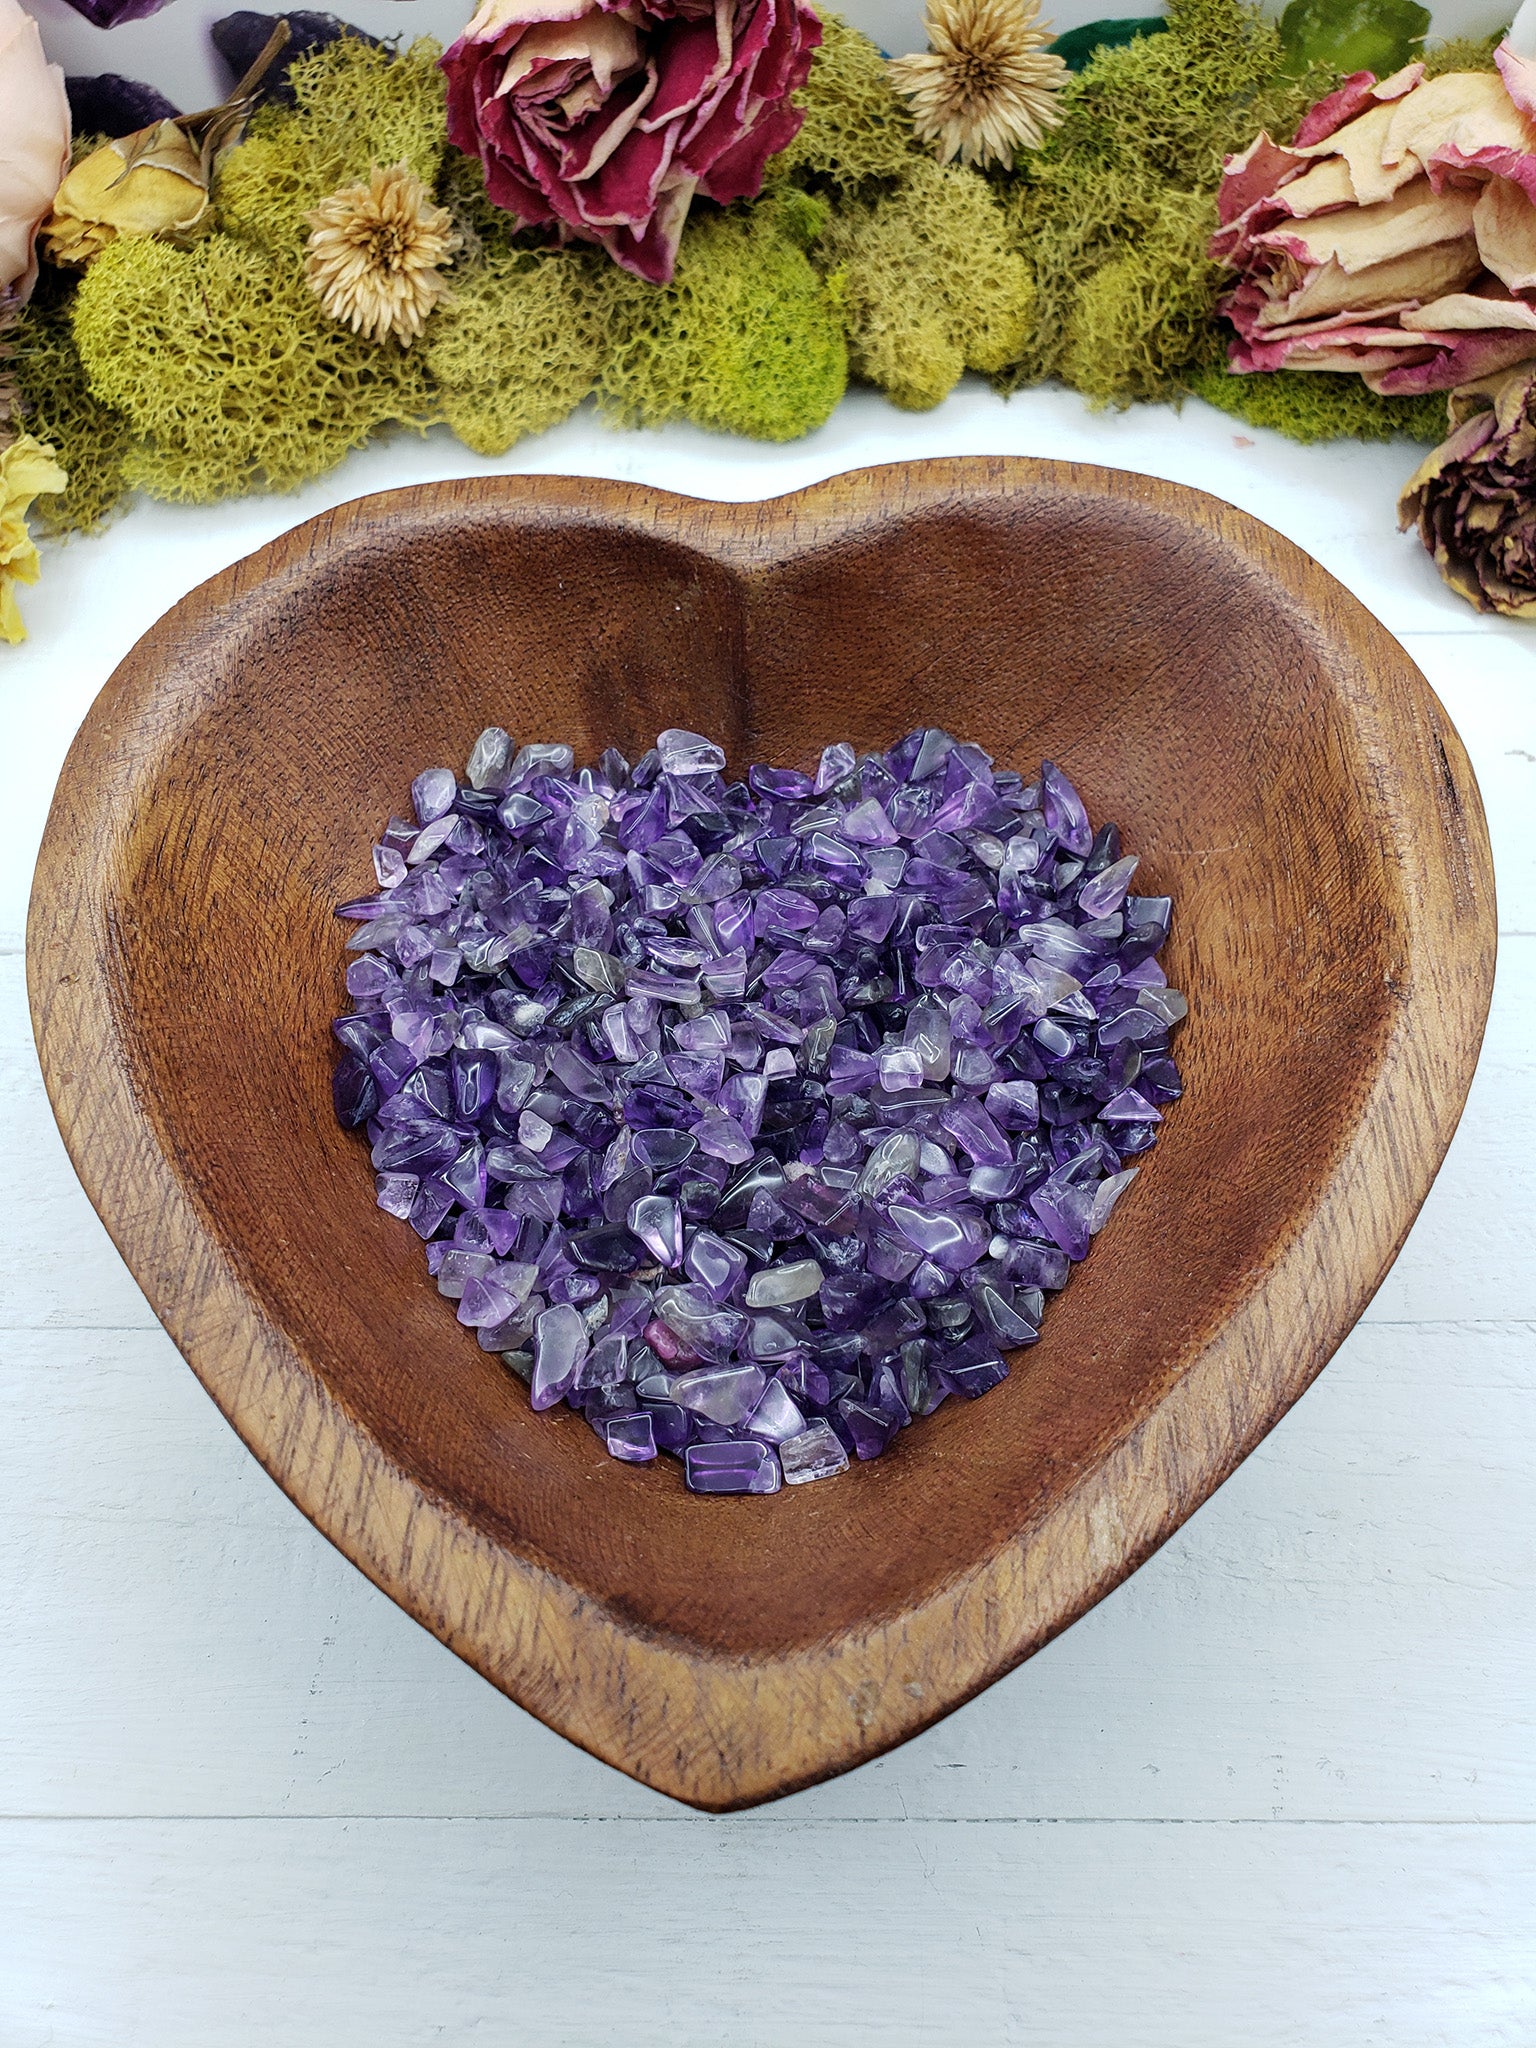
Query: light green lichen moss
(1320, 405)
(521, 344)
(58, 407)
(229, 375)
(856, 131)
(357, 106)
(929, 284)
(1462, 53)
(1112, 214)
(1145, 315)
(746, 339)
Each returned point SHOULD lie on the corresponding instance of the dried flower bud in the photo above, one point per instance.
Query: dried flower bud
(986, 86)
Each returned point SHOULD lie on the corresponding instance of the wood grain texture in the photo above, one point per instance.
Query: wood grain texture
(1283, 769)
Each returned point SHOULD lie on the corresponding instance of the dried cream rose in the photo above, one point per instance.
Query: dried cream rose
(1395, 236)
(34, 144)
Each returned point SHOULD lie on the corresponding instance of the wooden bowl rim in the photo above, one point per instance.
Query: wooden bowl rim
(485, 1600)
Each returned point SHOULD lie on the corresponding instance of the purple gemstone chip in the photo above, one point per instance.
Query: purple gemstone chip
(753, 1119)
(731, 1468)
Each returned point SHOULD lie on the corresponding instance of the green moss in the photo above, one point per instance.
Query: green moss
(1462, 53)
(929, 284)
(1144, 316)
(521, 344)
(856, 130)
(1113, 211)
(1171, 106)
(1320, 405)
(356, 106)
(229, 375)
(58, 407)
(746, 339)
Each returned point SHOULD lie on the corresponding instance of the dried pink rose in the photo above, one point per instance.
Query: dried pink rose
(603, 121)
(1395, 237)
(34, 145)
(1474, 499)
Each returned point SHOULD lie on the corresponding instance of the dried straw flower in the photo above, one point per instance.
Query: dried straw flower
(987, 85)
(375, 254)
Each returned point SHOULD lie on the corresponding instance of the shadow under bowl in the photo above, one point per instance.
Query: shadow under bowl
(1285, 774)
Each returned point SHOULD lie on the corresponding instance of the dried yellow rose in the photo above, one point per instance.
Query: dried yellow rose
(27, 470)
(154, 182)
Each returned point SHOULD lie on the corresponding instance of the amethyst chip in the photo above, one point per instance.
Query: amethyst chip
(753, 1120)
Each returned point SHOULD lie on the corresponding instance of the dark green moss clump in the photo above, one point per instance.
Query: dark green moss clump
(1114, 213)
(1321, 405)
(59, 407)
(1462, 53)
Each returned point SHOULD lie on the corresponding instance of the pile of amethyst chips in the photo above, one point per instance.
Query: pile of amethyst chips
(753, 1119)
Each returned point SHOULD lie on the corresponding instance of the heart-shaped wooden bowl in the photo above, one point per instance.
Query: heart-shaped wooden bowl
(1271, 753)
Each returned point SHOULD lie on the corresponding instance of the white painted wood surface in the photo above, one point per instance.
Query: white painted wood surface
(1279, 1791)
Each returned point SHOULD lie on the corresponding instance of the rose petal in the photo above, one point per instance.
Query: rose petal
(1471, 312)
(573, 133)
(34, 143)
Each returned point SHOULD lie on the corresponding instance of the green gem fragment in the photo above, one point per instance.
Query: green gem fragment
(1353, 35)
